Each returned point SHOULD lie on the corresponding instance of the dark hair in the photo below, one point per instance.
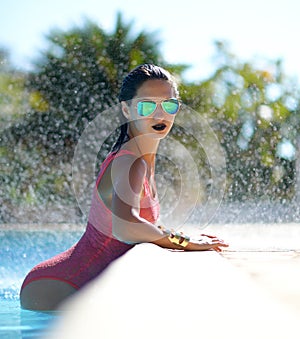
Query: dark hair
(131, 83)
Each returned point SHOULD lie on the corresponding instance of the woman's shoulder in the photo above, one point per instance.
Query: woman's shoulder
(128, 159)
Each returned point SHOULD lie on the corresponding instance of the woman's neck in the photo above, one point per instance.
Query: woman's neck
(146, 148)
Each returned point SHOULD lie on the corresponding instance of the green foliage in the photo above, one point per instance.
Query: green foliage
(77, 77)
(81, 71)
(253, 111)
(13, 95)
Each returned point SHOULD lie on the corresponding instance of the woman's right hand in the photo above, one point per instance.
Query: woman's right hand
(206, 243)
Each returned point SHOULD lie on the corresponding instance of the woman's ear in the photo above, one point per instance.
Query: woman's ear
(125, 110)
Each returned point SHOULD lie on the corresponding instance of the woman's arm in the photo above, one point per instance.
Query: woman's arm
(127, 179)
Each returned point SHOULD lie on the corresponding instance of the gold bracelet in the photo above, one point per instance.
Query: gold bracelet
(176, 238)
(179, 239)
(185, 242)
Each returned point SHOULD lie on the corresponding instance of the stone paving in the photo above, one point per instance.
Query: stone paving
(269, 254)
(155, 293)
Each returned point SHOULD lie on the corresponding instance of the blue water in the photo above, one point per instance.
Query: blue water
(20, 250)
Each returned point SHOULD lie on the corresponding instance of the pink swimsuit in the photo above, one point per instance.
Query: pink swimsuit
(97, 248)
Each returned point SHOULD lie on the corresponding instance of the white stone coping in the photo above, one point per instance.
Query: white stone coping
(155, 293)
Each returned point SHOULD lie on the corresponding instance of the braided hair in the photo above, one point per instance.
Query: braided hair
(131, 83)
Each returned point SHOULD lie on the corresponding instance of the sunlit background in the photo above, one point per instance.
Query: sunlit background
(256, 30)
(237, 64)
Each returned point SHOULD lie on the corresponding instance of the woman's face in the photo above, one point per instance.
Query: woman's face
(158, 124)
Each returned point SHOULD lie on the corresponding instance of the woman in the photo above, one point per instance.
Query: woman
(125, 206)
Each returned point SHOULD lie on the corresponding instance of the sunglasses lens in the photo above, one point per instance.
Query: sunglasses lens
(170, 106)
(145, 108)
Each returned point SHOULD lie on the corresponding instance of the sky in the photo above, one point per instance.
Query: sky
(255, 30)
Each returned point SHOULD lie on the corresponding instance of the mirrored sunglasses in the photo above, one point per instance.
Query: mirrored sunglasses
(147, 107)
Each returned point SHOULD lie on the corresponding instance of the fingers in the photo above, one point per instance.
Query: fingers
(213, 240)
(207, 235)
(208, 242)
(217, 244)
(213, 244)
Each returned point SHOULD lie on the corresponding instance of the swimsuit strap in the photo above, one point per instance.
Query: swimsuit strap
(108, 160)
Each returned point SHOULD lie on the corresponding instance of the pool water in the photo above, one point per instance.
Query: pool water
(17, 323)
(20, 250)
(22, 247)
